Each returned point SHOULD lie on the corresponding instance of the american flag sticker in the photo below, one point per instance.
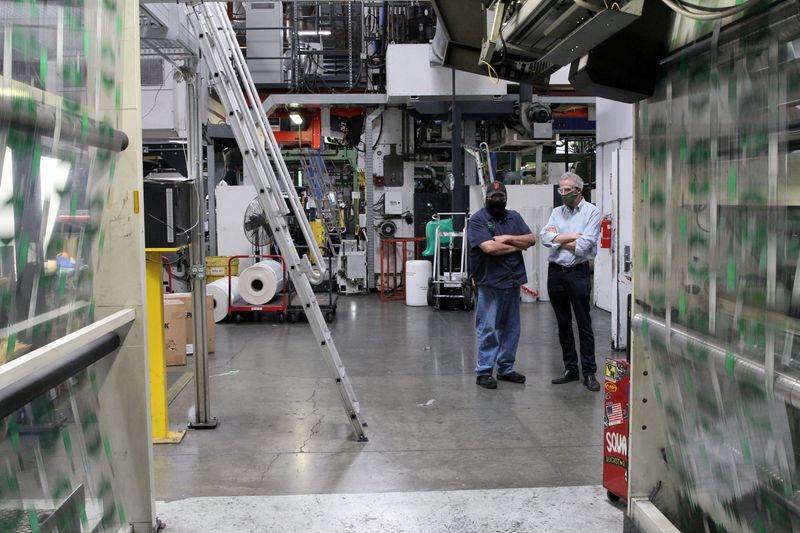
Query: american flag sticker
(614, 414)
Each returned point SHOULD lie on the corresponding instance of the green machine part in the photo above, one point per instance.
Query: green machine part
(446, 225)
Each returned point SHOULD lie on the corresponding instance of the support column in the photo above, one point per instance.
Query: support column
(197, 253)
(460, 199)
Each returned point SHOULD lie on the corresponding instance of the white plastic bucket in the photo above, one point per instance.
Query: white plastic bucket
(417, 275)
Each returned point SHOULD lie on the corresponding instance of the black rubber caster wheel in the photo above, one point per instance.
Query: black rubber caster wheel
(613, 498)
(329, 317)
(431, 296)
(281, 318)
(238, 318)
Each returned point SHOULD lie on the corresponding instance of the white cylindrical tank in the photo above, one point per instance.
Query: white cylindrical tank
(417, 274)
(219, 291)
(260, 283)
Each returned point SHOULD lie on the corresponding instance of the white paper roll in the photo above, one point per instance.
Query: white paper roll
(219, 291)
(260, 283)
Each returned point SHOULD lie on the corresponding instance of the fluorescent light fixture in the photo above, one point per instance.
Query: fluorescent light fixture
(314, 32)
(297, 119)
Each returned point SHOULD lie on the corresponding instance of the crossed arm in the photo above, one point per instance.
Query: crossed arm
(568, 241)
(578, 243)
(508, 244)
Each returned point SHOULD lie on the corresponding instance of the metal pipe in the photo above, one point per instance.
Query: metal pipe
(43, 118)
(744, 368)
(22, 391)
(211, 189)
(460, 201)
(197, 256)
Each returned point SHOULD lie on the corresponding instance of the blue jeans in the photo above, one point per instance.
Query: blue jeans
(497, 329)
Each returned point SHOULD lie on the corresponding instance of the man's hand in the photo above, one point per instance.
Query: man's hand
(502, 239)
(494, 247)
(551, 229)
(569, 245)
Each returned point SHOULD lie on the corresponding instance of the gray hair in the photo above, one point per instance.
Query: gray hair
(576, 180)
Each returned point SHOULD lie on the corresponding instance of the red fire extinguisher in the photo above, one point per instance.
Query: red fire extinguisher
(605, 233)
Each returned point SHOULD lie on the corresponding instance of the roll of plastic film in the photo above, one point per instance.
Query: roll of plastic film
(260, 283)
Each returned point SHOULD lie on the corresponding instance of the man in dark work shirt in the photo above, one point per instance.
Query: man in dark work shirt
(496, 238)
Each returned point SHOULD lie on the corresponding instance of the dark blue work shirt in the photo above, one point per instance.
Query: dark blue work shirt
(496, 271)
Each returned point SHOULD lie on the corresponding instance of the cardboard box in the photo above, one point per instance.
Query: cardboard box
(174, 333)
(185, 299)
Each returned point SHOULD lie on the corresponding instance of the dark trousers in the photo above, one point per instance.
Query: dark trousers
(569, 292)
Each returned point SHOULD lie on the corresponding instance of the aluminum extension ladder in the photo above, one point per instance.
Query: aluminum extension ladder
(314, 169)
(234, 85)
(484, 166)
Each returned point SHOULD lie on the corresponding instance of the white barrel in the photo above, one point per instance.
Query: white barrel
(417, 274)
(219, 291)
(260, 283)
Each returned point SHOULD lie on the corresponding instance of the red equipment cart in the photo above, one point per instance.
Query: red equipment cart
(238, 310)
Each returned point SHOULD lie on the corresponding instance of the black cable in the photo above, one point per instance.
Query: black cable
(380, 133)
(503, 42)
(155, 99)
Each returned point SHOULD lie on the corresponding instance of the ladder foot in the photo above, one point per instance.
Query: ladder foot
(363, 438)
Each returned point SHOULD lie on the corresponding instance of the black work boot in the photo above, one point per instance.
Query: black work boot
(591, 382)
(486, 381)
(513, 377)
(565, 377)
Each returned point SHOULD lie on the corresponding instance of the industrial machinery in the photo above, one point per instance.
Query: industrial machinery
(529, 40)
(75, 427)
(351, 267)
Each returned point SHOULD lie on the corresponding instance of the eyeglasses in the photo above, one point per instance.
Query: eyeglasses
(562, 190)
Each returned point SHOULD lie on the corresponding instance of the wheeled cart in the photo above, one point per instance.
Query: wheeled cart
(450, 282)
(256, 311)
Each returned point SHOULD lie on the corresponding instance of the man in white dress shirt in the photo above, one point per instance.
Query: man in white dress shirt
(572, 234)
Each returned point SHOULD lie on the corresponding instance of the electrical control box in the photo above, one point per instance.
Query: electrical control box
(167, 213)
(393, 203)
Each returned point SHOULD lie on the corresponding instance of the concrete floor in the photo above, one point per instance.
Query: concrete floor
(283, 430)
(540, 509)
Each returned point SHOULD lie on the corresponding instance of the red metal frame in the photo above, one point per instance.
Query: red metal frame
(258, 308)
(392, 286)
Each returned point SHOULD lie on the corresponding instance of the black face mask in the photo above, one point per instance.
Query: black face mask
(496, 208)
